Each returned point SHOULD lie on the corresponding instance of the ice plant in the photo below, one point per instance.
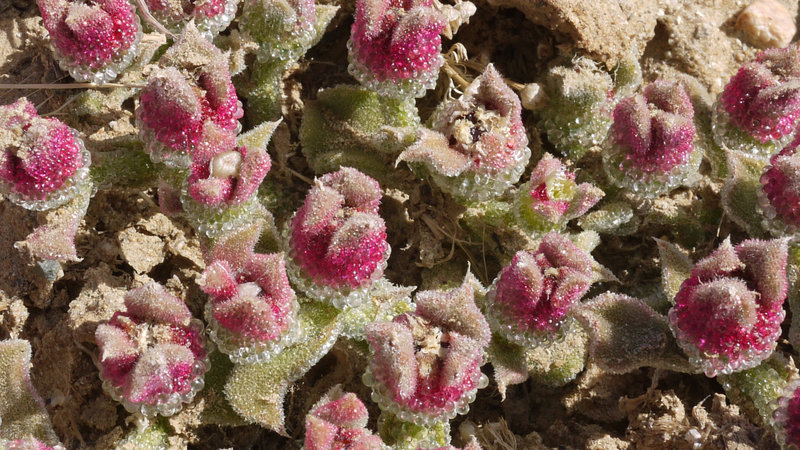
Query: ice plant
(43, 162)
(93, 41)
(650, 147)
(759, 109)
(787, 417)
(189, 103)
(339, 421)
(210, 17)
(152, 355)
(252, 307)
(551, 197)
(395, 47)
(727, 315)
(531, 299)
(337, 240)
(477, 147)
(779, 197)
(28, 444)
(425, 365)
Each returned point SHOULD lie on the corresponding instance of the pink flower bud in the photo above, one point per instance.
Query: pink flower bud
(43, 162)
(551, 197)
(152, 356)
(93, 41)
(425, 365)
(727, 315)
(395, 47)
(230, 177)
(252, 307)
(478, 148)
(30, 443)
(339, 421)
(786, 417)
(650, 147)
(209, 16)
(337, 239)
(759, 109)
(530, 301)
(189, 103)
(779, 198)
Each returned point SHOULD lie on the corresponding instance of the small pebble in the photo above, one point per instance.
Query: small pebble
(766, 23)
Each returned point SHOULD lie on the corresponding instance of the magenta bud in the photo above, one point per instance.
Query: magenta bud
(551, 197)
(759, 109)
(227, 178)
(779, 198)
(650, 147)
(339, 421)
(727, 315)
(153, 355)
(43, 162)
(531, 299)
(337, 239)
(786, 417)
(30, 443)
(252, 308)
(478, 147)
(425, 365)
(189, 104)
(395, 47)
(93, 41)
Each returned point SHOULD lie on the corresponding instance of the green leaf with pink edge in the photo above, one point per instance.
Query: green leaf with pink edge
(256, 391)
(627, 334)
(21, 408)
(740, 193)
(675, 268)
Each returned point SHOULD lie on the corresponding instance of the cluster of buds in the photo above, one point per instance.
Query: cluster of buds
(650, 147)
(93, 41)
(210, 17)
(43, 162)
(337, 240)
(478, 147)
(339, 421)
(530, 302)
(786, 417)
(759, 110)
(779, 197)
(153, 355)
(189, 104)
(425, 365)
(252, 309)
(395, 46)
(551, 197)
(727, 315)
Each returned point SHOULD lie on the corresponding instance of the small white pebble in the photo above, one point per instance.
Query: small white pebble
(766, 23)
(694, 437)
(532, 96)
(226, 164)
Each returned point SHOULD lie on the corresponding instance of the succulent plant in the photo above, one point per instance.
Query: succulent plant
(425, 365)
(650, 148)
(43, 162)
(787, 416)
(210, 17)
(189, 104)
(338, 421)
(337, 240)
(28, 444)
(551, 197)
(779, 197)
(92, 41)
(252, 307)
(530, 301)
(395, 47)
(477, 147)
(152, 355)
(759, 109)
(727, 314)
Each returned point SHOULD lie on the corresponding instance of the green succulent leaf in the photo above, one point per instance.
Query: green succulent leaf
(675, 268)
(740, 194)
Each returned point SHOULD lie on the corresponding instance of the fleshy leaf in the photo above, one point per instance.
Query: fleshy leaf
(627, 334)
(740, 194)
(675, 268)
(256, 391)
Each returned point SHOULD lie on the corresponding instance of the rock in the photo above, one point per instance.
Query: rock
(766, 23)
(141, 251)
(603, 29)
